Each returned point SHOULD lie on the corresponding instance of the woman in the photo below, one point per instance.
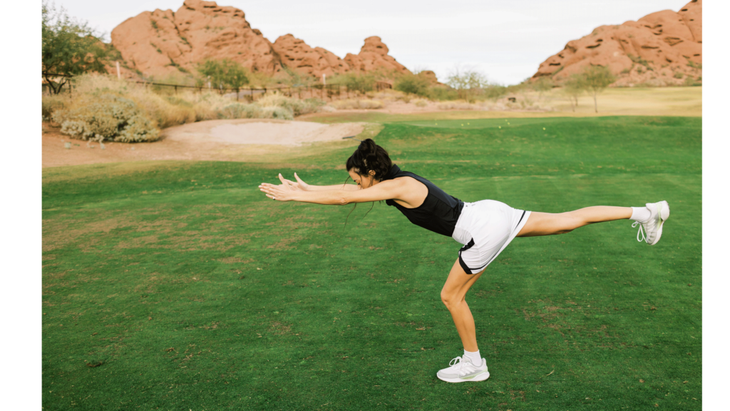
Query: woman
(485, 228)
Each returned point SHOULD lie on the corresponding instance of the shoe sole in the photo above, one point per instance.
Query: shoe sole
(663, 216)
(479, 377)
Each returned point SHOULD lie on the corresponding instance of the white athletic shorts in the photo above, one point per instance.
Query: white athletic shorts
(485, 228)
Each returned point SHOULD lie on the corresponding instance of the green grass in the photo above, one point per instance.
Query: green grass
(178, 285)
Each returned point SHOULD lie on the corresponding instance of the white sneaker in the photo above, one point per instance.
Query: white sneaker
(463, 370)
(651, 230)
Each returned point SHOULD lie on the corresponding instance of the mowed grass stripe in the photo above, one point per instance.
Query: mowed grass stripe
(178, 284)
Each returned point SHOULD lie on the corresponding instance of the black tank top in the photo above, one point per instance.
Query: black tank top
(439, 211)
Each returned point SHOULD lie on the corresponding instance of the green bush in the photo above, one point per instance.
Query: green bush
(412, 84)
(106, 117)
(355, 82)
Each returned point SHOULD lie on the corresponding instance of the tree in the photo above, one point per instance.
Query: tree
(573, 88)
(469, 83)
(595, 79)
(224, 72)
(542, 85)
(70, 48)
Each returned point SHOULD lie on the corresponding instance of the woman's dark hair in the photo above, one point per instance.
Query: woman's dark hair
(370, 156)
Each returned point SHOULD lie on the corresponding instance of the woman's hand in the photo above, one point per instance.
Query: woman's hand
(282, 192)
(301, 184)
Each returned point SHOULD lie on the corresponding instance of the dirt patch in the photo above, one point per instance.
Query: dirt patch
(215, 140)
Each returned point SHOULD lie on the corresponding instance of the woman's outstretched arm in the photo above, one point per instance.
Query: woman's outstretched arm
(386, 190)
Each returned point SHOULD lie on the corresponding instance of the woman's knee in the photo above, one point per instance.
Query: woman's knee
(450, 299)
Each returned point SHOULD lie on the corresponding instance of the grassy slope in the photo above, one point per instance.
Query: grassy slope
(178, 285)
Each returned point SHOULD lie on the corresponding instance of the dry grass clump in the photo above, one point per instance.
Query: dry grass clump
(296, 106)
(419, 102)
(356, 104)
(457, 105)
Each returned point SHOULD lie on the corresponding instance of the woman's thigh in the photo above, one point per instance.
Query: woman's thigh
(458, 283)
(547, 224)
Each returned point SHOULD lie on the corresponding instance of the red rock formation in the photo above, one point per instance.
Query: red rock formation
(374, 56)
(159, 43)
(300, 57)
(662, 48)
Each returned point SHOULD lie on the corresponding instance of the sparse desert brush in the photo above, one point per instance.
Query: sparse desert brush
(420, 102)
(106, 117)
(388, 95)
(357, 104)
(456, 105)
(295, 105)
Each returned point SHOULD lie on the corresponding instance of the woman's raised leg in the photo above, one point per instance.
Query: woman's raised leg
(560, 223)
(651, 218)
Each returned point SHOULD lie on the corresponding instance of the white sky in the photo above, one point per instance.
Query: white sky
(506, 40)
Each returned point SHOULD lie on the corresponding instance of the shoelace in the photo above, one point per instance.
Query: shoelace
(454, 361)
(641, 235)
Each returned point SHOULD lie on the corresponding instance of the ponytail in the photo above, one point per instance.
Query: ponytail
(370, 156)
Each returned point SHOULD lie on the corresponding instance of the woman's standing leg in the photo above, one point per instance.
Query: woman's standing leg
(453, 294)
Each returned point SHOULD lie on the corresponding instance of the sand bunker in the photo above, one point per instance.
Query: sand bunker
(262, 132)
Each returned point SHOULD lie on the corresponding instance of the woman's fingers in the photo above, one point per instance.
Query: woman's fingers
(302, 185)
(278, 192)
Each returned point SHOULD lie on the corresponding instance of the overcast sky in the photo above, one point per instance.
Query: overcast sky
(506, 40)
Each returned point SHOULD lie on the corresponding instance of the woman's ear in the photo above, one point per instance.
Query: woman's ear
(371, 172)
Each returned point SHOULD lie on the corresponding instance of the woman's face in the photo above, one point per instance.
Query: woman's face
(362, 181)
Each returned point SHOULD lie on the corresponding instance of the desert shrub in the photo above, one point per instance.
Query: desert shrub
(456, 105)
(443, 93)
(275, 112)
(355, 104)
(420, 102)
(296, 106)
(690, 81)
(238, 110)
(106, 117)
(49, 104)
(412, 84)
(164, 111)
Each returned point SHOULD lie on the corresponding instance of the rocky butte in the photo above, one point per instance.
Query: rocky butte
(662, 48)
(161, 43)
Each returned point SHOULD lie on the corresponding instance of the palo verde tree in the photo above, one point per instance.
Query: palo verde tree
(595, 79)
(468, 83)
(542, 85)
(573, 88)
(70, 48)
(224, 73)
